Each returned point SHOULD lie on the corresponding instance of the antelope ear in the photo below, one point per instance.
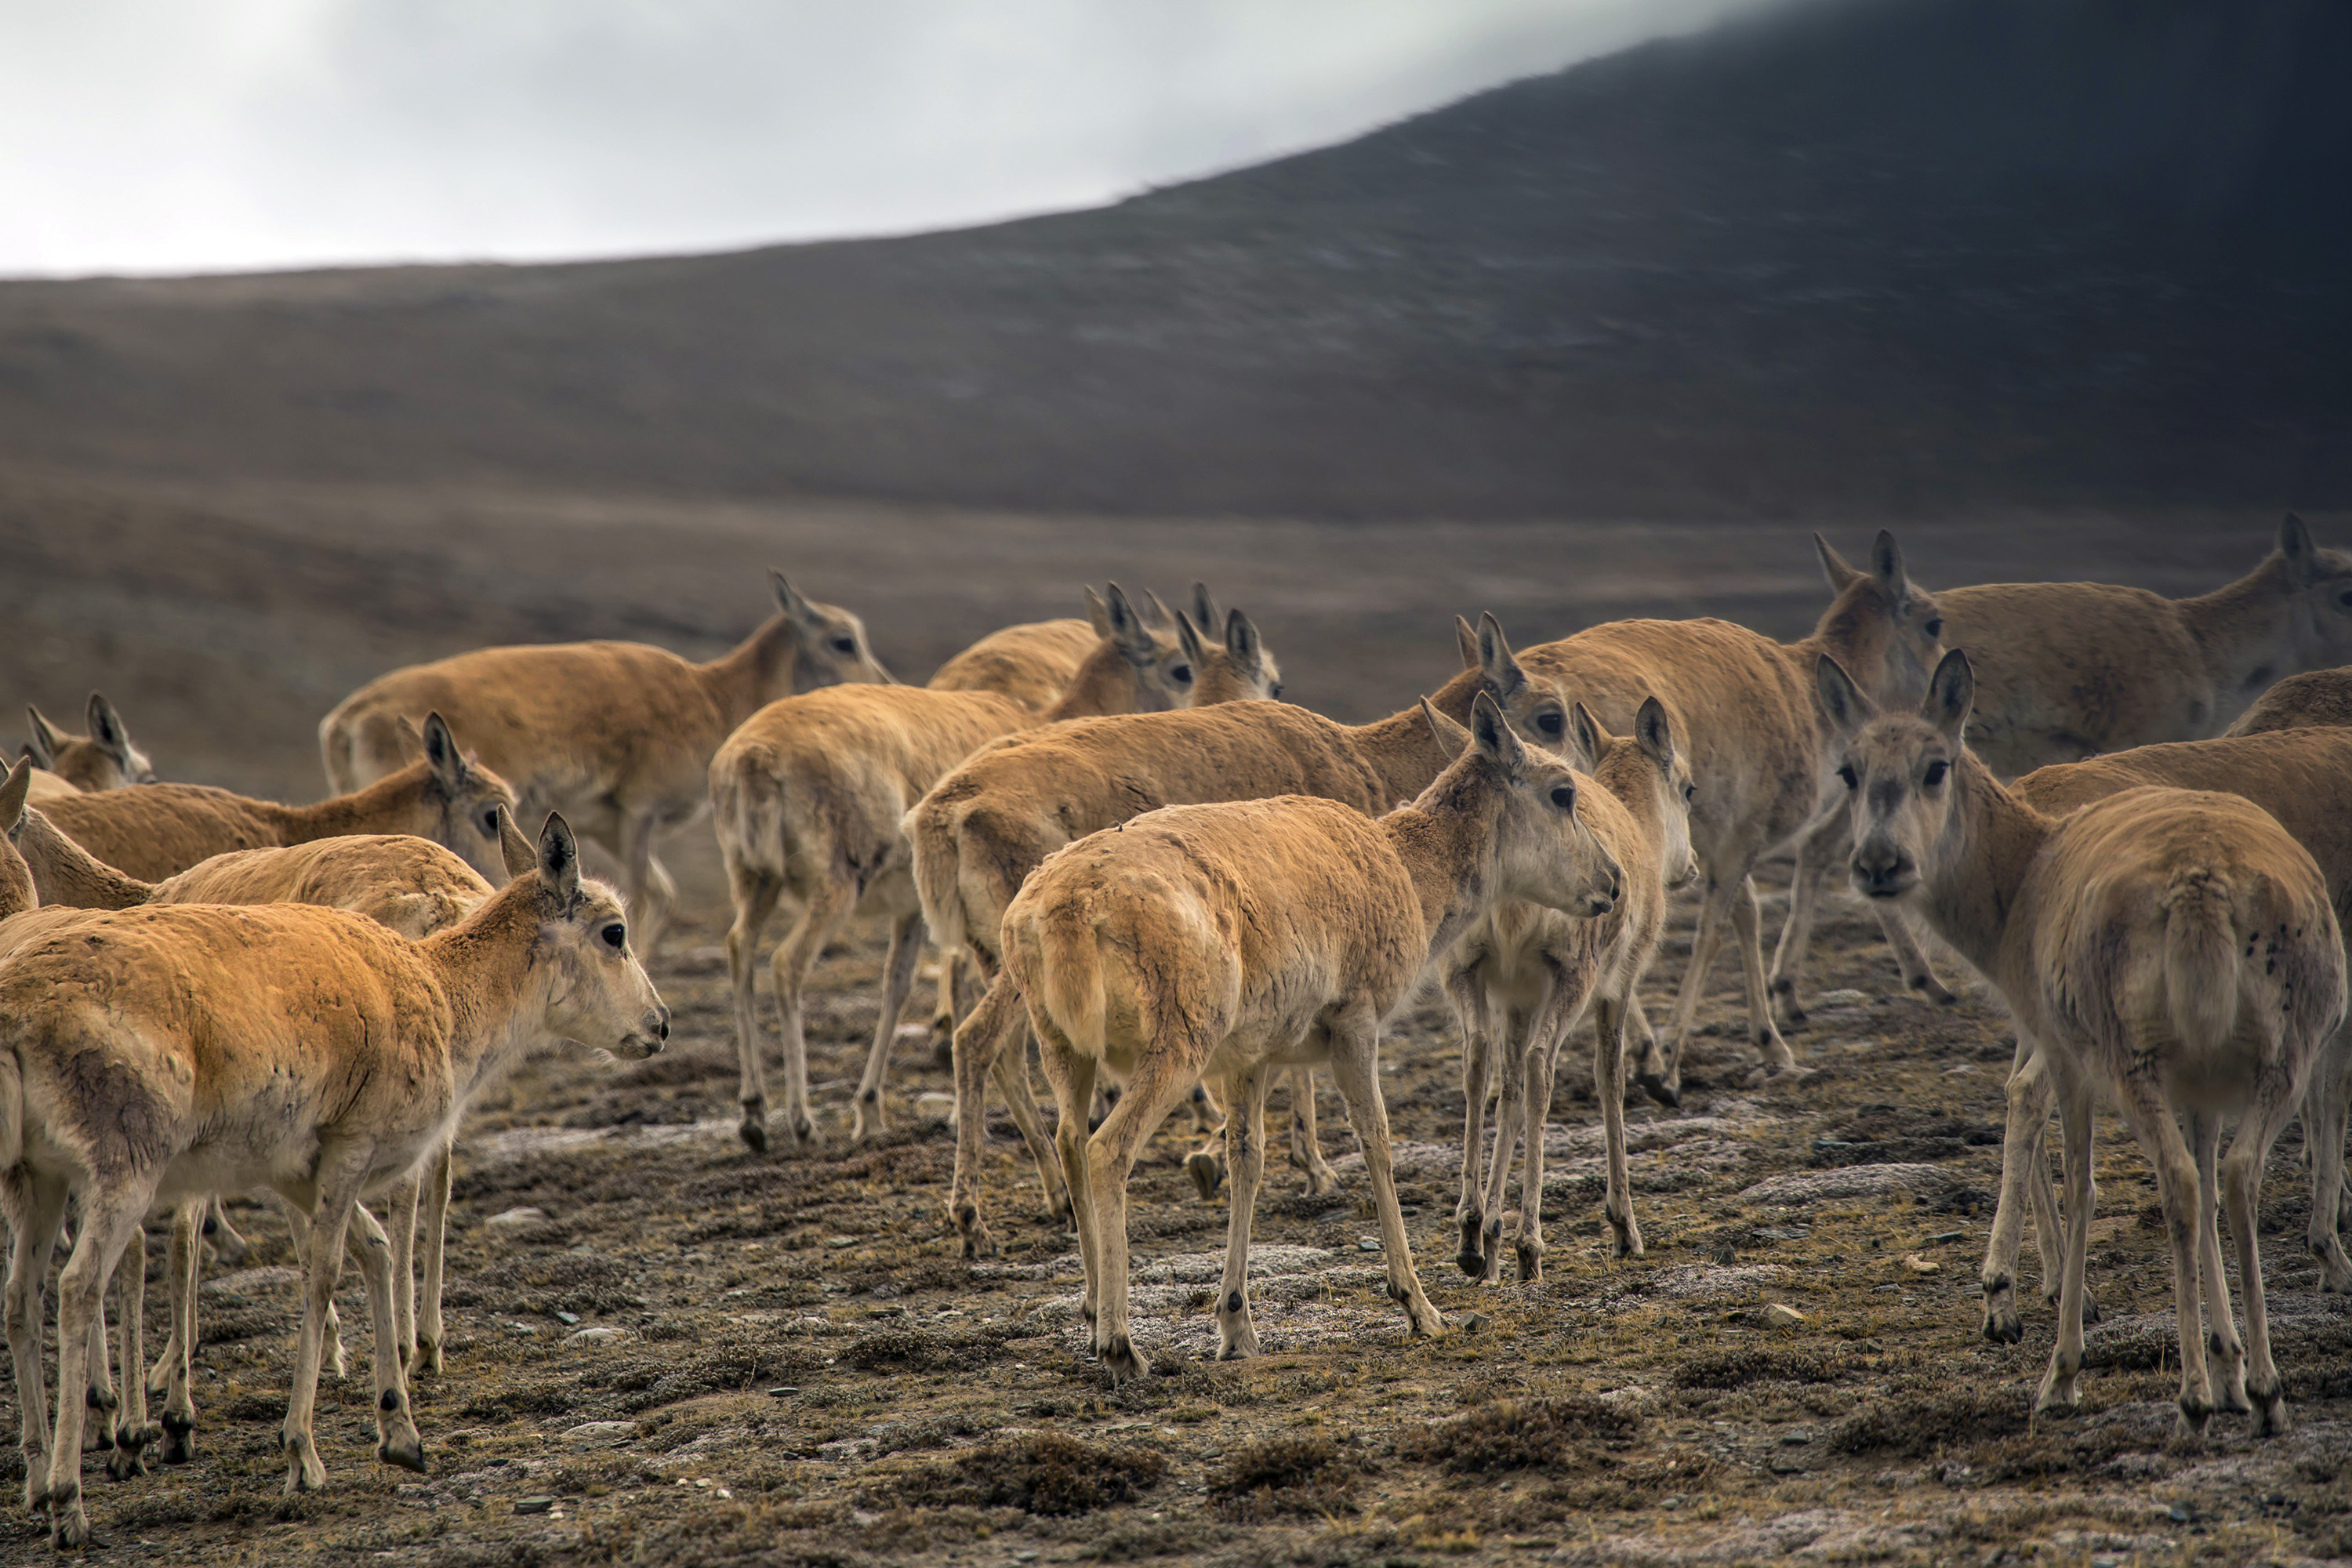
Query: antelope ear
(1590, 737)
(1097, 613)
(1951, 692)
(106, 729)
(1886, 565)
(1503, 676)
(1848, 709)
(1466, 643)
(1205, 614)
(1242, 642)
(47, 739)
(1494, 737)
(1127, 627)
(520, 858)
(559, 861)
(441, 754)
(1450, 737)
(405, 734)
(13, 794)
(2302, 555)
(1656, 736)
(1188, 640)
(1156, 613)
(1834, 566)
(788, 598)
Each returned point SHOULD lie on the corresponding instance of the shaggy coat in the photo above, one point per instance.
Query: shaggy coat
(2316, 698)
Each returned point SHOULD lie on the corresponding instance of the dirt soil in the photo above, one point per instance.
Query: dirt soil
(678, 1351)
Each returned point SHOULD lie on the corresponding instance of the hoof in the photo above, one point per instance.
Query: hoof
(2004, 1327)
(1470, 1258)
(1933, 989)
(2090, 1308)
(179, 1441)
(1208, 1172)
(126, 1463)
(754, 1130)
(1669, 1094)
(1123, 1364)
(428, 1356)
(409, 1454)
(2270, 1415)
(942, 1044)
(977, 1242)
(1531, 1264)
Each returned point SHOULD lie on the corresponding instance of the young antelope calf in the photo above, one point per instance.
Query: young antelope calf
(152, 1055)
(1524, 975)
(1233, 941)
(2174, 948)
(161, 830)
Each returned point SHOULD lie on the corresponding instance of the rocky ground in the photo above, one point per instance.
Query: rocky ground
(665, 1348)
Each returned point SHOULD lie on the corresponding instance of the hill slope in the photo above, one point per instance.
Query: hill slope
(1897, 255)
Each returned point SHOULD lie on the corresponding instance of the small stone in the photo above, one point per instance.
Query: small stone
(722, 1491)
(1777, 1316)
(1841, 999)
(1941, 1236)
(512, 1217)
(1368, 1243)
(2179, 1513)
(534, 1504)
(1795, 1439)
(935, 1106)
(841, 1241)
(567, 1319)
(525, 1330)
(703, 1484)
(1918, 1265)
(600, 1334)
(598, 1434)
(1474, 1322)
(786, 1392)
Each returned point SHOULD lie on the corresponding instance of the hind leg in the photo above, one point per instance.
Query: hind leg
(1748, 929)
(830, 903)
(2325, 1107)
(2242, 1175)
(429, 1335)
(109, 1219)
(2145, 1108)
(648, 891)
(1356, 1068)
(2227, 1355)
(898, 980)
(1305, 1140)
(171, 1372)
(2057, 1389)
(1661, 1074)
(1467, 991)
(228, 1245)
(755, 894)
(1244, 1099)
(35, 1209)
(132, 1433)
(1817, 855)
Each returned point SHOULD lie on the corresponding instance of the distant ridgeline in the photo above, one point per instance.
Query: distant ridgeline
(1868, 254)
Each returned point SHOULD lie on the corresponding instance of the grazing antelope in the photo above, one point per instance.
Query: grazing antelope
(161, 830)
(1758, 746)
(987, 826)
(618, 736)
(1524, 975)
(103, 760)
(2304, 779)
(157, 1054)
(807, 797)
(2173, 948)
(1234, 939)
(2065, 670)
(2316, 697)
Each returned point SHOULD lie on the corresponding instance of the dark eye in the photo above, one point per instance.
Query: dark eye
(1274, 691)
(1564, 796)
(490, 822)
(2345, 598)
(617, 936)
(1549, 723)
(1935, 627)
(844, 644)
(1846, 773)
(1934, 773)
(1180, 672)
(1690, 793)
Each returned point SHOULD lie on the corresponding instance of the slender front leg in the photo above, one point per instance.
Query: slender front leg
(173, 1370)
(1911, 955)
(36, 1208)
(1071, 1075)
(1306, 1140)
(1817, 854)
(1206, 1164)
(2325, 1107)
(436, 1233)
(397, 1442)
(407, 1198)
(1355, 1067)
(1747, 926)
(2066, 1358)
(830, 903)
(2024, 1178)
(950, 1007)
(132, 1433)
(866, 1118)
(297, 1223)
(99, 1434)
(1244, 1097)
(756, 893)
(1609, 1075)
(333, 1199)
(2227, 1355)
(1662, 1073)
(1467, 991)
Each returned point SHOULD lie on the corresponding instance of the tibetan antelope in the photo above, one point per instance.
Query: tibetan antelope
(310, 1050)
(1524, 976)
(161, 830)
(1234, 939)
(987, 826)
(2315, 698)
(1743, 709)
(2302, 778)
(618, 736)
(807, 798)
(104, 759)
(2172, 948)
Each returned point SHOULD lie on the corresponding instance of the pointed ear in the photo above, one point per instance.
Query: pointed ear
(559, 861)
(405, 734)
(1503, 676)
(1243, 643)
(1848, 709)
(1127, 627)
(1466, 643)
(1834, 566)
(1654, 733)
(1886, 566)
(1156, 613)
(106, 729)
(47, 739)
(1951, 692)
(13, 794)
(446, 763)
(1450, 737)
(1188, 638)
(1589, 737)
(788, 598)
(1205, 614)
(520, 858)
(1492, 736)
(2302, 555)
(1097, 613)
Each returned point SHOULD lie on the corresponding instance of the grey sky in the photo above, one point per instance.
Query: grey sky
(160, 136)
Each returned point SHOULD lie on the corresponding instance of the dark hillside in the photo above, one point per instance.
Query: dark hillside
(1861, 255)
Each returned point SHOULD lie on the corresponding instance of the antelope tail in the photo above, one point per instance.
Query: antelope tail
(2200, 960)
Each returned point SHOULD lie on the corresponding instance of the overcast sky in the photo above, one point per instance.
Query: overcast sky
(167, 135)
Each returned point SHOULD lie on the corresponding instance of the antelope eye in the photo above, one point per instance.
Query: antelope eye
(490, 822)
(844, 644)
(1549, 723)
(1934, 628)
(1274, 691)
(1690, 793)
(1935, 775)
(1180, 672)
(1846, 773)
(617, 936)
(1563, 796)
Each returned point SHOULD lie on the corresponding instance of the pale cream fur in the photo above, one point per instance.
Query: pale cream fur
(618, 736)
(1233, 941)
(2173, 949)
(157, 1053)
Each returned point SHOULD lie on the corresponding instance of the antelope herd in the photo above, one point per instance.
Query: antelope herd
(1127, 849)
